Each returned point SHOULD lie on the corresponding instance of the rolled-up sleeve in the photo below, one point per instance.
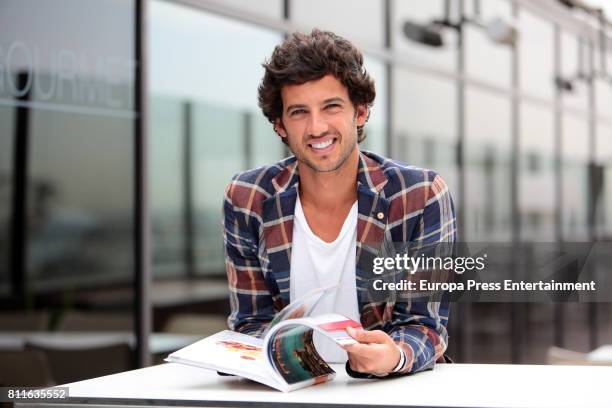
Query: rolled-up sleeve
(419, 328)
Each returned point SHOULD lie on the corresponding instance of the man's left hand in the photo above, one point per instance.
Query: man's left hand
(376, 353)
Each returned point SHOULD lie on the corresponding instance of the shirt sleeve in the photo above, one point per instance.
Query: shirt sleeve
(251, 303)
(419, 328)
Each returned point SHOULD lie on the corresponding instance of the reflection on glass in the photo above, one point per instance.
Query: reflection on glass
(575, 178)
(570, 70)
(422, 13)
(67, 92)
(268, 8)
(78, 99)
(536, 58)
(603, 96)
(228, 132)
(361, 21)
(219, 153)
(188, 61)
(80, 200)
(603, 220)
(424, 115)
(486, 60)
(166, 175)
(376, 127)
(487, 161)
(266, 146)
(6, 174)
(537, 204)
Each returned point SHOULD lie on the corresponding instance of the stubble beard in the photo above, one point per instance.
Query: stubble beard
(344, 156)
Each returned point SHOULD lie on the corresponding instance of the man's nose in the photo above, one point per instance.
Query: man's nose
(317, 125)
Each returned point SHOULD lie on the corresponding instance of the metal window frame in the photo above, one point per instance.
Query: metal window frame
(142, 260)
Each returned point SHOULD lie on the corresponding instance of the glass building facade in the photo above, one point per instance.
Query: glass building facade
(521, 132)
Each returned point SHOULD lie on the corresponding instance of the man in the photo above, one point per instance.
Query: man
(321, 216)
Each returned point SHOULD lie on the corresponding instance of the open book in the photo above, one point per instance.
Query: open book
(285, 357)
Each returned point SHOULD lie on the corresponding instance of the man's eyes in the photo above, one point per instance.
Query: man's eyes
(331, 106)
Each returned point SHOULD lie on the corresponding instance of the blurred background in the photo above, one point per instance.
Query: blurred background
(121, 121)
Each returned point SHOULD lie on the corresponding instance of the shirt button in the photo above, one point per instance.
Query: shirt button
(380, 215)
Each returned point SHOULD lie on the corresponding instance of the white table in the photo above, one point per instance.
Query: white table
(449, 385)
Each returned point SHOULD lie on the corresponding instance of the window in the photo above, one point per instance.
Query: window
(575, 178)
(226, 131)
(537, 204)
(423, 13)
(536, 56)
(487, 161)
(424, 115)
(361, 21)
(376, 127)
(6, 189)
(484, 59)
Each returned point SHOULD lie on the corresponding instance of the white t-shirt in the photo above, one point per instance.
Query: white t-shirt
(316, 263)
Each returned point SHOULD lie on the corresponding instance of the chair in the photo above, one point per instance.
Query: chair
(23, 321)
(200, 324)
(95, 321)
(75, 364)
(24, 369)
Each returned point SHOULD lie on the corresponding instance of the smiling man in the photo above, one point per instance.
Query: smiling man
(320, 216)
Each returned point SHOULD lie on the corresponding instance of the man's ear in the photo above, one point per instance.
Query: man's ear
(362, 112)
(279, 128)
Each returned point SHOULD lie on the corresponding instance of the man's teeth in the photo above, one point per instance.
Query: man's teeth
(322, 145)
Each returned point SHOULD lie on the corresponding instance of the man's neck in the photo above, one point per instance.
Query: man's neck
(327, 191)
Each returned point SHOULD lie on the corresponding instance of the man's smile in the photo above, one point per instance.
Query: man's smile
(323, 145)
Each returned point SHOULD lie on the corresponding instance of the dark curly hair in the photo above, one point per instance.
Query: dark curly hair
(302, 58)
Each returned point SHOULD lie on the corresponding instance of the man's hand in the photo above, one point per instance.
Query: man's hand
(376, 352)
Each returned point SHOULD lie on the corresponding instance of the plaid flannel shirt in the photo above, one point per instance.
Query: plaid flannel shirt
(396, 203)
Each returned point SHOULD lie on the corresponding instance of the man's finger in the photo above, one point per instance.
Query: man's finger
(368, 336)
(357, 349)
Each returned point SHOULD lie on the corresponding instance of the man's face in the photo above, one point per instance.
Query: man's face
(320, 123)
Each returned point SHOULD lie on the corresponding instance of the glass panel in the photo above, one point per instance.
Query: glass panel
(67, 92)
(422, 13)
(167, 141)
(424, 115)
(266, 146)
(603, 158)
(485, 59)
(536, 56)
(570, 70)
(216, 161)
(360, 21)
(228, 131)
(268, 8)
(537, 174)
(79, 217)
(210, 70)
(376, 128)
(487, 161)
(575, 176)
(6, 186)
(603, 96)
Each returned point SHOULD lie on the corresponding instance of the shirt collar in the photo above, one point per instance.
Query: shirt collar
(369, 174)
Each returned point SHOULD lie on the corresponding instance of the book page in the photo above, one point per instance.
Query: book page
(231, 353)
(293, 355)
(334, 326)
(301, 307)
